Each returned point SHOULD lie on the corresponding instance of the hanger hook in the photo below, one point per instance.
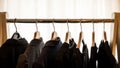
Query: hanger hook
(103, 25)
(93, 24)
(81, 25)
(15, 24)
(36, 24)
(67, 25)
(53, 24)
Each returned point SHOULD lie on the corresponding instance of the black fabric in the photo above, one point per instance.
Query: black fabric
(69, 56)
(10, 51)
(63, 58)
(31, 54)
(105, 57)
(76, 57)
(72, 48)
(47, 57)
(117, 65)
(93, 57)
(85, 55)
(36, 48)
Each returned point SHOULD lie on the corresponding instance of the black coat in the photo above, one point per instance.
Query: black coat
(62, 59)
(10, 51)
(76, 57)
(85, 55)
(31, 54)
(93, 57)
(69, 56)
(48, 54)
(105, 57)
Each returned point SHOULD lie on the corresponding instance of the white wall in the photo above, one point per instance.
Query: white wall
(60, 9)
(1, 5)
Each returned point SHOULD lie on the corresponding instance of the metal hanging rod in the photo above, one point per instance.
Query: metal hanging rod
(61, 20)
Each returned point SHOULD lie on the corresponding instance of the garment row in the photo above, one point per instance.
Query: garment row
(17, 53)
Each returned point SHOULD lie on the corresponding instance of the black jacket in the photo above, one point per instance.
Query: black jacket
(85, 55)
(47, 57)
(10, 51)
(31, 54)
(93, 57)
(76, 57)
(63, 58)
(69, 56)
(105, 57)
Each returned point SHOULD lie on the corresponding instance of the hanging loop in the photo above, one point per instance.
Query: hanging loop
(53, 24)
(105, 35)
(15, 24)
(16, 35)
(103, 25)
(81, 25)
(93, 35)
(67, 25)
(36, 24)
(93, 24)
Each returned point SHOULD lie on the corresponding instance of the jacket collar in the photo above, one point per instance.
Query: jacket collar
(53, 42)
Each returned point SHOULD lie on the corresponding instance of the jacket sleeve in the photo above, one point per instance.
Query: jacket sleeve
(21, 61)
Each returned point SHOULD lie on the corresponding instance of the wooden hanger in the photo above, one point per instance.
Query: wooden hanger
(104, 33)
(105, 36)
(80, 40)
(93, 38)
(80, 37)
(68, 34)
(37, 33)
(54, 33)
(67, 37)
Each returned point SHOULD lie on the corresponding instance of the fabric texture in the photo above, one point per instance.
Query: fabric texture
(69, 56)
(31, 54)
(85, 55)
(10, 51)
(72, 48)
(48, 54)
(105, 57)
(62, 58)
(93, 57)
(76, 57)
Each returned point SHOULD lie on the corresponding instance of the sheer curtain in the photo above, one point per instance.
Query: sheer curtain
(53, 9)
(61, 8)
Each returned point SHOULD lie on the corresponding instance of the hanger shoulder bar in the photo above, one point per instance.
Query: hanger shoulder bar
(61, 20)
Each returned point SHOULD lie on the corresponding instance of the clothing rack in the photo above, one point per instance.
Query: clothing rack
(60, 20)
(116, 21)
